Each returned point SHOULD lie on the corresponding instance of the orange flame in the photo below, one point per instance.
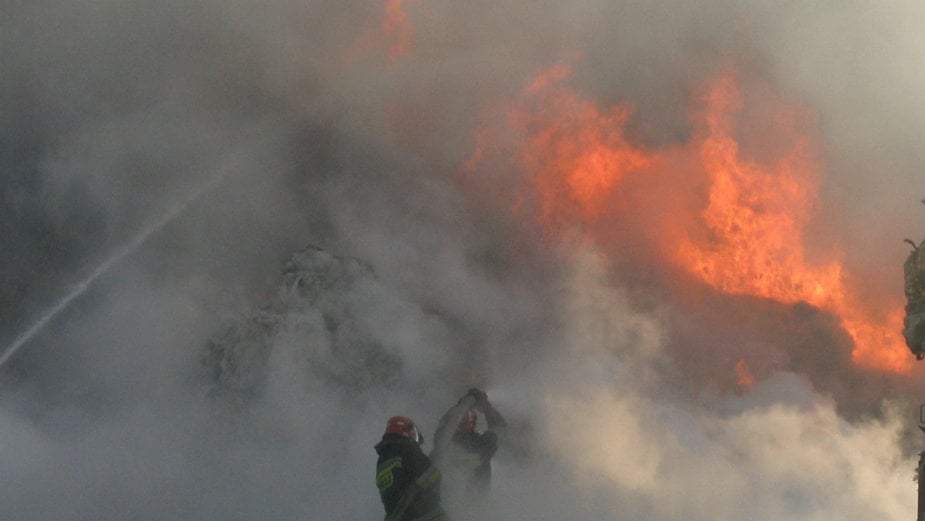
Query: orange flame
(748, 240)
(397, 27)
(755, 218)
(877, 342)
(577, 152)
(754, 235)
(744, 376)
(393, 34)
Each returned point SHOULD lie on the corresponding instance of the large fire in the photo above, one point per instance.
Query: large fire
(755, 219)
(748, 238)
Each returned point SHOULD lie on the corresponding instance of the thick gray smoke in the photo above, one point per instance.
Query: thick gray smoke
(188, 381)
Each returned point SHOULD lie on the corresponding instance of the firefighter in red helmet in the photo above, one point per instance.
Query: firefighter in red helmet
(409, 485)
(462, 453)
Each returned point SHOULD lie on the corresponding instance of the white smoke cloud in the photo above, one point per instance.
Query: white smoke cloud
(112, 112)
(779, 451)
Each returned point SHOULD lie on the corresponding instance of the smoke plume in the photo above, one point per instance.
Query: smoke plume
(666, 238)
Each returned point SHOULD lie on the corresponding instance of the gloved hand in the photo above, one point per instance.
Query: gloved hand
(480, 397)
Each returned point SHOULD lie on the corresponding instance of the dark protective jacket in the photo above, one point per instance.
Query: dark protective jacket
(479, 447)
(464, 459)
(403, 469)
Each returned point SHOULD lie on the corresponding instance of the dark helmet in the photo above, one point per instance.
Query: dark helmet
(468, 421)
(404, 427)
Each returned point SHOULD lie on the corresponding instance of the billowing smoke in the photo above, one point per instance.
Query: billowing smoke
(316, 215)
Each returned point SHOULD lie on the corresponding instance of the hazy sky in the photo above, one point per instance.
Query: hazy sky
(437, 142)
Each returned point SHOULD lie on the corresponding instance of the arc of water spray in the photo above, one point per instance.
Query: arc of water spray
(172, 213)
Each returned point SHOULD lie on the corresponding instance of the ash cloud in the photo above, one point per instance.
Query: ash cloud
(622, 393)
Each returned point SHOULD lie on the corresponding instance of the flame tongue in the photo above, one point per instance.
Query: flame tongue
(754, 224)
(744, 376)
(577, 152)
(755, 218)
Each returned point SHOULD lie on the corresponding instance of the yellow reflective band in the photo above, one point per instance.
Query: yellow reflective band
(384, 478)
(429, 478)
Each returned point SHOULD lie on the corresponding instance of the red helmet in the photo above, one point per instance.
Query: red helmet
(468, 422)
(404, 427)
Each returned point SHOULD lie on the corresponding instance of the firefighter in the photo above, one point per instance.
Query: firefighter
(462, 453)
(408, 483)
(914, 322)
